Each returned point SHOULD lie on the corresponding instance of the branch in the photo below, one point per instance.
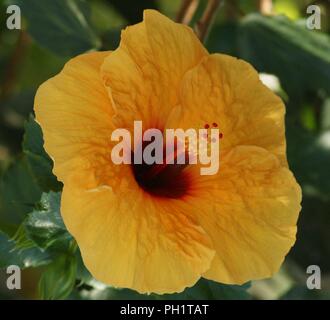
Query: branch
(187, 11)
(13, 65)
(202, 27)
(265, 7)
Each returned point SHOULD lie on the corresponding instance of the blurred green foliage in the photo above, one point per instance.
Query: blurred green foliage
(60, 26)
(32, 233)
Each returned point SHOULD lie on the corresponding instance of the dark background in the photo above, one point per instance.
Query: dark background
(281, 45)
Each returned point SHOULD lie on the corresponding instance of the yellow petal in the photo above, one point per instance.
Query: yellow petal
(74, 112)
(144, 73)
(228, 92)
(136, 242)
(250, 210)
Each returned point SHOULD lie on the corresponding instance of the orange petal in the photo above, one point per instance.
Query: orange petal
(227, 91)
(137, 243)
(250, 210)
(144, 73)
(75, 112)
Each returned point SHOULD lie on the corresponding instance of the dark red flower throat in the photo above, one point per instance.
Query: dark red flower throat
(162, 180)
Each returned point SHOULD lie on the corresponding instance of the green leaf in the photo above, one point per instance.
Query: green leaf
(58, 281)
(309, 158)
(33, 141)
(223, 38)
(83, 274)
(210, 290)
(22, 183)
(18, 194)
(276, 45)
(303, 293)
(39, 65)
(325, 115)
(45, 227)
(203, 289)
(59, 25)
(39, 162)
(24, 258)
(313, 245)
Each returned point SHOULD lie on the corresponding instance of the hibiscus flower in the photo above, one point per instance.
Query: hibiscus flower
(161, 232)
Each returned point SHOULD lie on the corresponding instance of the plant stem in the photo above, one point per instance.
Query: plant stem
(13, 65)
(265, 6)
(202, 27)
(187, 11)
